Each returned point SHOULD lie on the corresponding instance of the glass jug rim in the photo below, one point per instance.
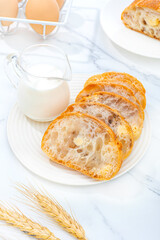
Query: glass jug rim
(42, 45)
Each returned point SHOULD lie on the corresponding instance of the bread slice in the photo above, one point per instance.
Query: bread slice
(109, 87)
(84, 143)
(143, 16)
(124, 82)
(114, 75)
(112, 118)
(126, 108)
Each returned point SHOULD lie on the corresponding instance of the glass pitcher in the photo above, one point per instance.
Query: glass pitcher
(41, 74)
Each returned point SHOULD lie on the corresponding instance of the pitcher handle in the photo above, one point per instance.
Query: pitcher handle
(11, 69)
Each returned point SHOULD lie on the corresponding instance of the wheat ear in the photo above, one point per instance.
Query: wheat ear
(19, 220)
(50, 206)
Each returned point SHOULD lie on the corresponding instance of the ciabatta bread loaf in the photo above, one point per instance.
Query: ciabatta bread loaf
(109, 87)
(84, 143)
(126, 108)
(114, 75)
(124, 82)
(112, 118)
(143, 16)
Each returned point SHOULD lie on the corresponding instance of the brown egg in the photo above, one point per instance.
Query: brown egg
(60, 3)
(44, 10)
(8, 8)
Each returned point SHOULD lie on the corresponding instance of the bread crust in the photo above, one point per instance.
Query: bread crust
(101, 79)
(123, 75)
(85, 99)
(124, 156)
(149, 4)
(69, 163)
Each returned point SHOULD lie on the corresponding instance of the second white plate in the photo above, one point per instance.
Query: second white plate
(128, 39)
(25, 135)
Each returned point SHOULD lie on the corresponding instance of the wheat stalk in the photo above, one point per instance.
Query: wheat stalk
(50, 206)
(19, 220)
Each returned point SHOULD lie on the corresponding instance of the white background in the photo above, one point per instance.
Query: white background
(127, 208)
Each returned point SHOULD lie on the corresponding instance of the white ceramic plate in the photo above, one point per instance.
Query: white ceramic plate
(25, 136)
(128, 39)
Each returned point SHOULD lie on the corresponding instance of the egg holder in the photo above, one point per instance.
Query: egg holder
(64, 14)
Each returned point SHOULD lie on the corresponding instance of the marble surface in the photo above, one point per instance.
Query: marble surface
(127, 208)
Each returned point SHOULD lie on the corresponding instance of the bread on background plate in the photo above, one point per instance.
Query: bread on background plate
(143, 16)
(112, 118)
(83, 143)
(126, 108)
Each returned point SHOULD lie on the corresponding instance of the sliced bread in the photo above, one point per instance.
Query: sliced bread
(109, 87)
(126, 108)
(84, 143)
(114, 75)
(124, 82)
(112, 118)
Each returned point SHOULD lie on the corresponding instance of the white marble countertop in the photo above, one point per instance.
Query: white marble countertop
(127, 208)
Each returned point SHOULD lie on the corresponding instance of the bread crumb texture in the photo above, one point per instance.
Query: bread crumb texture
(81, 142)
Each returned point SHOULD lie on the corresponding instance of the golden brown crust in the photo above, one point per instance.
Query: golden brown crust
(126, 76)
(70, 108)
(151, 4)
(69, 164)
